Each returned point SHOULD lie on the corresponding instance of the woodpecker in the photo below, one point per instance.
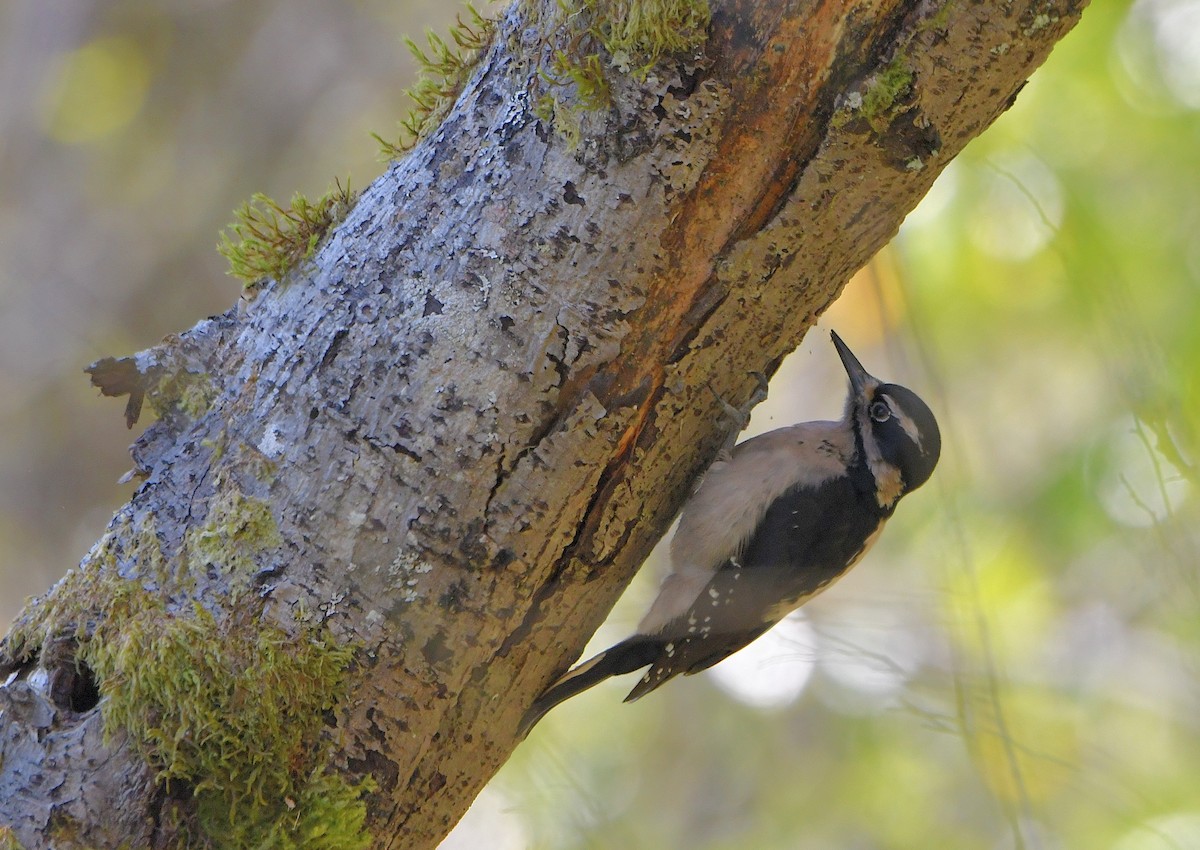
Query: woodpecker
(775, 522)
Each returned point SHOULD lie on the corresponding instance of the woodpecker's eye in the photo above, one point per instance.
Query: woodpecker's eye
(879, 411)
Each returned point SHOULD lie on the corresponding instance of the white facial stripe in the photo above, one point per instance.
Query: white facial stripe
(906, 422)
(910, 428)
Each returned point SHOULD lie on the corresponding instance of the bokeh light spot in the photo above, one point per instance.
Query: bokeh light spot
(1159, 47)
(774, 670)
(490, 822)
(1022, 209)
(1170, 832)
(95, 91)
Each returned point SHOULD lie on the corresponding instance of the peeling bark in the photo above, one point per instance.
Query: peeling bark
(449, 440)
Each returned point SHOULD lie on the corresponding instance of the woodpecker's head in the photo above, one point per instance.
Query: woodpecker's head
(900, 437)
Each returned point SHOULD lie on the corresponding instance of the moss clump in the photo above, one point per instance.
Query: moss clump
(638, 33)
(267, 240)
(882, 100)
(190, 393)
(938, 20)
(225, 708)
(561, 117)
(230, 711)
(8, 839)
(66, 833)
(879, 104)
(236, 531)
(443, 68)
(586, 75)
(634, 34)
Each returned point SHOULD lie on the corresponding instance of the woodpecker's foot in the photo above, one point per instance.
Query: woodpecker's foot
(741, 417)
(760, 392)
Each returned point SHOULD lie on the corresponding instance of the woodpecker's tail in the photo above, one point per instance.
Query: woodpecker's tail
(628, 655)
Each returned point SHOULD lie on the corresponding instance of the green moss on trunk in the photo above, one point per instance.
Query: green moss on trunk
(231, 710)
(607, 36)
(268, 240)
(228, 709)
(8, 841)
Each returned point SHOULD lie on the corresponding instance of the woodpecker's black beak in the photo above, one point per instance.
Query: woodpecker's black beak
(859, 377)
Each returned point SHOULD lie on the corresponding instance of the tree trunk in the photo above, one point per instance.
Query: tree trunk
(387, 500)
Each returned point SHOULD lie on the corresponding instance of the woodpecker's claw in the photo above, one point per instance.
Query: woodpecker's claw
(760, 392)
(741, 417)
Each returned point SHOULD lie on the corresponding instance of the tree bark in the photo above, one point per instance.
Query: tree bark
(390, 498)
